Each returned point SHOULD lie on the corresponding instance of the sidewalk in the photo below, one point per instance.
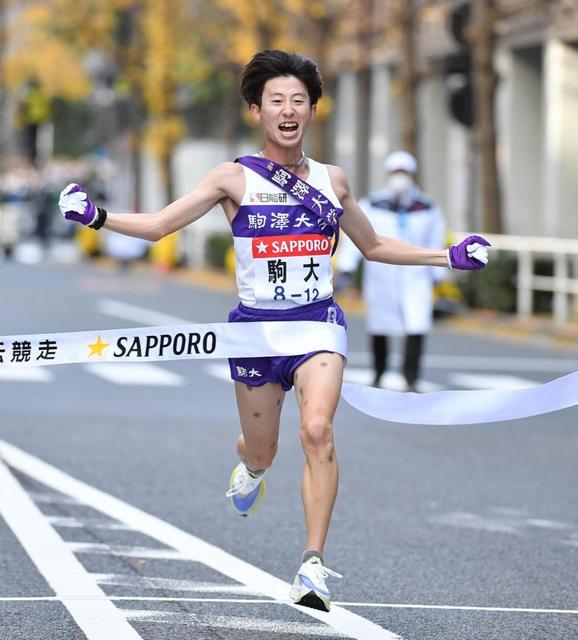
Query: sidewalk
(540, 330)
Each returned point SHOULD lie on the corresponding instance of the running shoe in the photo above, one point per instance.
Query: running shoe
(309, 588)
(245, 491)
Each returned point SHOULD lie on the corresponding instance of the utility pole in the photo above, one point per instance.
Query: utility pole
(128, 51)
(321, 30)
(485, 82)
(364, 44)
(408, 75)
(3, 100)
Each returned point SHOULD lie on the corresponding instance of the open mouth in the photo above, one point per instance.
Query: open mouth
(288, 127)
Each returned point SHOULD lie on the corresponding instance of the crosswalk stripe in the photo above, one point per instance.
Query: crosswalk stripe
(234, 623)
(147, 374)
(25, 374)
(476, 363)
(133, 313)
(98, 619)
(192, 548)
(219, 370)
(171, 584)
(135, 373)
(126, 551)
(391, 380)
(485, 381)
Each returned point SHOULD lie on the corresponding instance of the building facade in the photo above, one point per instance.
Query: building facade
(536, 111)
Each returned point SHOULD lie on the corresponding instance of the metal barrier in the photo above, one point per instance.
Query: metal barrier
(561, 284)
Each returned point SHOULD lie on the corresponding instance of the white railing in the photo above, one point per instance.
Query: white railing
(561, 284)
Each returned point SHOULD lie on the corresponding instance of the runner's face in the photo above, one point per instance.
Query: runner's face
(285, 111)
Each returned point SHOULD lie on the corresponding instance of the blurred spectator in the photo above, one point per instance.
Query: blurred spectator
(399, 299)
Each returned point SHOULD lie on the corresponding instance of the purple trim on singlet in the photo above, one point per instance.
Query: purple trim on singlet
(276, 223)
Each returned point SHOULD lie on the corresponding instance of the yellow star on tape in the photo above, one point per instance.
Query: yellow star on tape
(97, 348)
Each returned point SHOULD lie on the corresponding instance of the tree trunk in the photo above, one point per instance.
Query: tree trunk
(3, 100)
(365, 27)
(363, 126)
(485, 82)
(231, 115)
(167, 177)
(135, 164)
(408, 75)
(321, 33)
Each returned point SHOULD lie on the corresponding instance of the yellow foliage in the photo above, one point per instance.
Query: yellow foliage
(177, 41)
(58, 71)
(324, 108)
(162, 134)
(164, 252)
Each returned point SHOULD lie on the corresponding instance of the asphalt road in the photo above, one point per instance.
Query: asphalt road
(445, 533)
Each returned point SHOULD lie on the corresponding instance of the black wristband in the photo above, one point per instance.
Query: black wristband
(99, 219)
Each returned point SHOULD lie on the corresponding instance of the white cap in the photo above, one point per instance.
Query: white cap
(400, 161)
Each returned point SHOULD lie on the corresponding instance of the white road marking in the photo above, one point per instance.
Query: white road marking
(170, 584)
(465, 520)
(98, 619)
(51, 498)
(392, 381)
(340, 619)
(480, 381)
(25, 374)
(499, 522)
(219, 370)
(133, 313)
(572, 541)
(260, 625)
(75, 523)
(125, 551)
(486, 363)
(371, 605)
(449, 607)
(135, 373)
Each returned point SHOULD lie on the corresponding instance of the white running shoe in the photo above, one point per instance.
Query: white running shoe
(309, 588)
(245, 491)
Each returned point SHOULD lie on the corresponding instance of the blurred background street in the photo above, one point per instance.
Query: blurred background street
(442, 533)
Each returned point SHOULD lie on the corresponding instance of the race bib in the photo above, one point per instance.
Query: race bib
(292, 267)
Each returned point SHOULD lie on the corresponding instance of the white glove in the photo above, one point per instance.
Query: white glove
(478, 251)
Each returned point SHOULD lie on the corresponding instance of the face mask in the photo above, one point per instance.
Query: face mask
(400, 183)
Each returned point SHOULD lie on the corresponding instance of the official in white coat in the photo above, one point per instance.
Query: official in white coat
(399, 299)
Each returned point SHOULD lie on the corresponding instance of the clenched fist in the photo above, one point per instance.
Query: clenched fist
(470, 254)
(75, 205)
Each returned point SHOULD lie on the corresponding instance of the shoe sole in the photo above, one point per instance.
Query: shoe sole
(313, 601)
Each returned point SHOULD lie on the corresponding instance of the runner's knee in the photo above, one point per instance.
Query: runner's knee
(317, 433)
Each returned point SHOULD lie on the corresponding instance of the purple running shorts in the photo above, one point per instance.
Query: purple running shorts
(279, 369)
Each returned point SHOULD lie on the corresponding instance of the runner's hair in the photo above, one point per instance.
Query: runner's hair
(272, 63)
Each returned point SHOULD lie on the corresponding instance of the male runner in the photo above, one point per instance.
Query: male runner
(282, 280)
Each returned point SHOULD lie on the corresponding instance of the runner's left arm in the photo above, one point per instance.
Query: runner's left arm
(469, 254)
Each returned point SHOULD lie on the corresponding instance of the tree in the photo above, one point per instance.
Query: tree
(485, 82)
(234, 30)
(2, 81)
(407, 16)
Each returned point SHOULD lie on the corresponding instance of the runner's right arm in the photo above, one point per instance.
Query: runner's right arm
(217, 185)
